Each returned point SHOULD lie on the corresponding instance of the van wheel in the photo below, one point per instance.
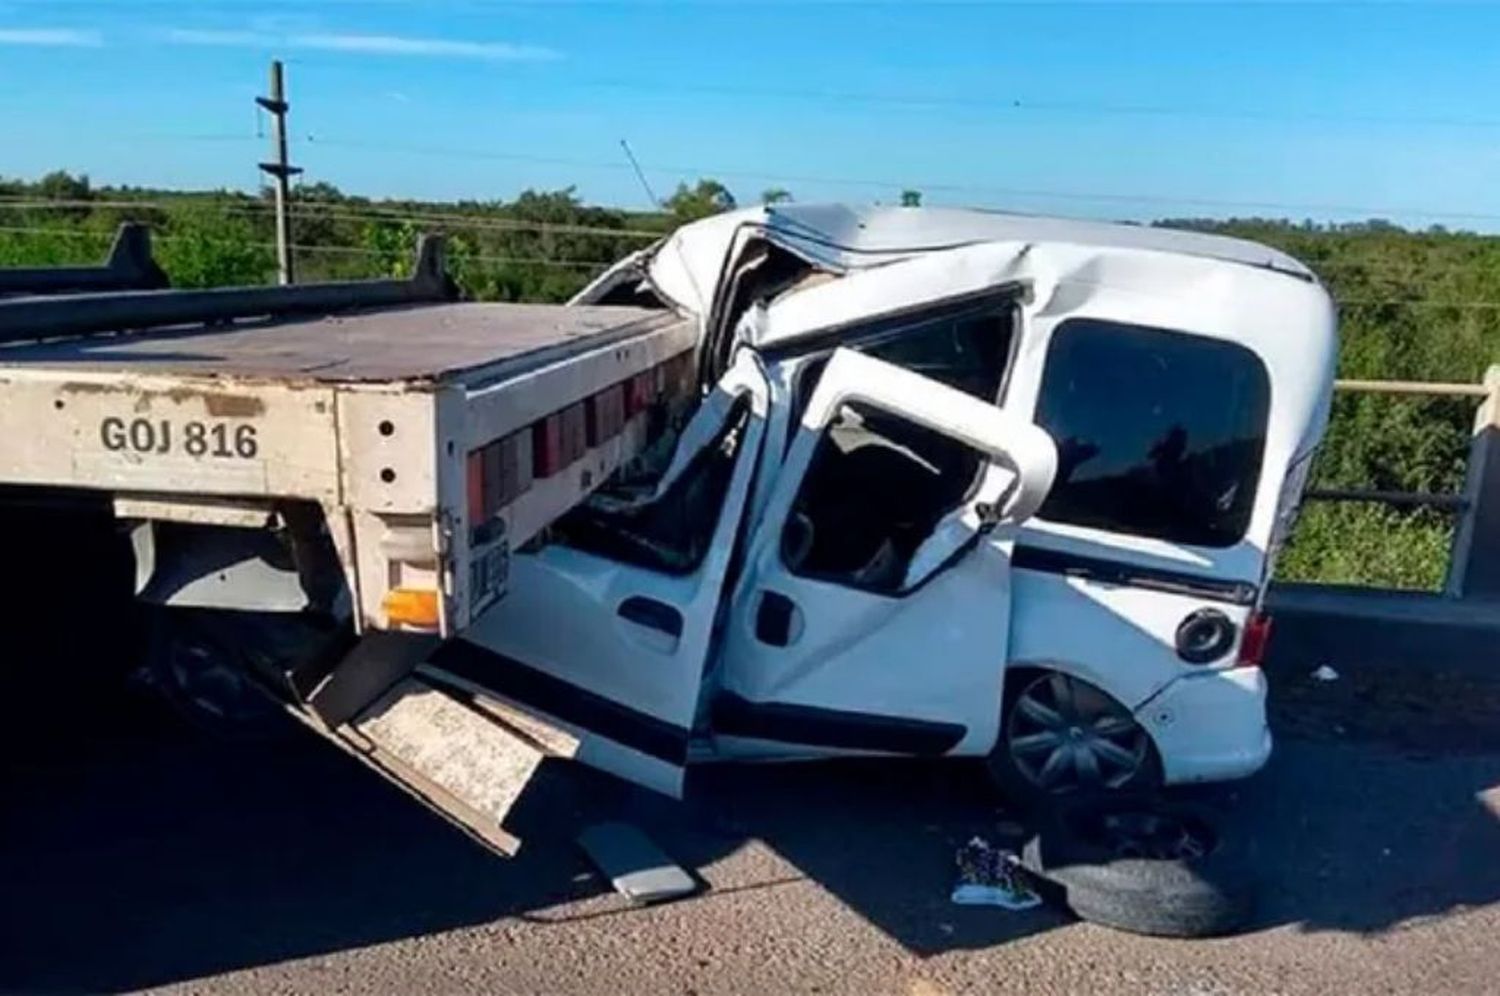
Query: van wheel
(1060, 735)
(1146, 865)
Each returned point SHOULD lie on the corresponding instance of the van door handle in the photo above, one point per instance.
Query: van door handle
(777, 619)
(652, 614)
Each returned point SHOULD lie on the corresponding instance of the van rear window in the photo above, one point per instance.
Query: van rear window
(1159, 433)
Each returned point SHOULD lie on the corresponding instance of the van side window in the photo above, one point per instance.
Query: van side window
(878, 484)
(875, 489)
(969, 352)
(1159, 433)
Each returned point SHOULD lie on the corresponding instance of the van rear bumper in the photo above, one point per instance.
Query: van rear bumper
(1210, 726)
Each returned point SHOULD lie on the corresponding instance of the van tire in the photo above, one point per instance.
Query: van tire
(1016, 786)
(1145, 890)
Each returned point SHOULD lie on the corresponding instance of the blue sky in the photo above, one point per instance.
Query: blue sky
(1110, 110)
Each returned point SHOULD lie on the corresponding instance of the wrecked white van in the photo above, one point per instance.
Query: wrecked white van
(962, 484)
(796, 482)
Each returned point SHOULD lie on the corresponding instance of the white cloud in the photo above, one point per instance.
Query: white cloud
(441, 48)
(54, 37)
(433, 47)
(237, 39)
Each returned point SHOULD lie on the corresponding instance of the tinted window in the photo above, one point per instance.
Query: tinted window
(1158, 433)
(969, 352)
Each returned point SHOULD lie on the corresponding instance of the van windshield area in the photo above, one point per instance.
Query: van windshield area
(1159, 433)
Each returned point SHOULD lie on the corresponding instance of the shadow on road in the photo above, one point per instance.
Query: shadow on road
(136, 854)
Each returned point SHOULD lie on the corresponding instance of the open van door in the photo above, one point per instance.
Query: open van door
(871, 617)
(598, 650)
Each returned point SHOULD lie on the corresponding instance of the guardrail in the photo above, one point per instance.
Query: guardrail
(1474, 563)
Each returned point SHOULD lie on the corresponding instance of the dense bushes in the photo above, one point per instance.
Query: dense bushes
(1413, 306)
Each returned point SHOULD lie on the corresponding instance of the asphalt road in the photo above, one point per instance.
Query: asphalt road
(136, 855)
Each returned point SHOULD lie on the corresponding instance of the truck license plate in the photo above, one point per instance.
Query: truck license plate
(215, 439)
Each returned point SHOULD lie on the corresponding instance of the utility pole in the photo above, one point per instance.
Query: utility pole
(282, 171)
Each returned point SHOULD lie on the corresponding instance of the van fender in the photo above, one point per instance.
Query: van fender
(1084, 672)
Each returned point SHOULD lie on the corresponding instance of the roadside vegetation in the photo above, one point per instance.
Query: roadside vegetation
(1415, 306)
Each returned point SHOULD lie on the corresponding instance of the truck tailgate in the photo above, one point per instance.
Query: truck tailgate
(134, 432)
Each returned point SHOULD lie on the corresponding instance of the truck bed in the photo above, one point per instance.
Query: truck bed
(433, 437)
(435, 343)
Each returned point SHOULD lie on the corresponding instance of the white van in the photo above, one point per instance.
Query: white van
(962, 484)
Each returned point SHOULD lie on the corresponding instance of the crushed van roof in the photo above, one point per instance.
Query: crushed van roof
(878, 230)
(687, 265)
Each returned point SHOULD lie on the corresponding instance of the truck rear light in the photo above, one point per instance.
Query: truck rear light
(416, 607)
(1253, 643)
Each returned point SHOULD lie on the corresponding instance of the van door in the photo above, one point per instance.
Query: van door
(596, 653)
(606, 627)
(873, 610)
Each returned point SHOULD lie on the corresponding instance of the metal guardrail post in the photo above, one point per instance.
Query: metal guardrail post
(1474, 566)
(26, 319)
(129, 267)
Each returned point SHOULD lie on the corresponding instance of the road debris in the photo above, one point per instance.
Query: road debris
(991, 876)
(634, 865)
(1325, 673)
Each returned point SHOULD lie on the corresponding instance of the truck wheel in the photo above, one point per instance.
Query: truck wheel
(202, 663)
(1146, 865)
(1060, 736)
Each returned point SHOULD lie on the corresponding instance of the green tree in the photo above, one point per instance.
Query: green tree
(911, 198)
(704, 198)
(204, 247)
(60, 185)
(775, 195)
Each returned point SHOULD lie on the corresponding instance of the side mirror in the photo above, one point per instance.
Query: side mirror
(1012, 444)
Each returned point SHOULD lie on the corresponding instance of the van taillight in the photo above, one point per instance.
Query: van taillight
(1253, 643)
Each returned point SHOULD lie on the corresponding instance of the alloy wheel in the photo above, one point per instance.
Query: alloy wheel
(1065, 735)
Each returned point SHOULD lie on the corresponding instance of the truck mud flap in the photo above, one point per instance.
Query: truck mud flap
(466, 756)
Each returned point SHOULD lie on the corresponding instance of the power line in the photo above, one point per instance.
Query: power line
(347, 212)
(1007, 105)
(477, 257)
(341, 250)
(1021, 105)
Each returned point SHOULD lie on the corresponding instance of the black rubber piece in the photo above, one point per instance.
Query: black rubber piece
(1203, 896)
(255, 646)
